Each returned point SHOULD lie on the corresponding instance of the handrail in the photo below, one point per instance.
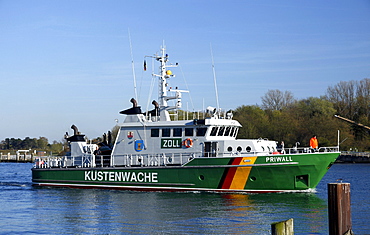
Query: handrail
(127, 160)
(160, 159)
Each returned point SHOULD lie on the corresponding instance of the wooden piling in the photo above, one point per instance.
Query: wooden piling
(339, 208)
(282, 228)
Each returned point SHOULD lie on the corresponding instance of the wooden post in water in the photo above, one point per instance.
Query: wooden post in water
(339, 206)
(282, 228)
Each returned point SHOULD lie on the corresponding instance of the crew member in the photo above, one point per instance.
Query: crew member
(314, 143)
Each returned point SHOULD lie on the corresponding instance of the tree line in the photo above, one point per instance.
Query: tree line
(281, 117)
(41, 143)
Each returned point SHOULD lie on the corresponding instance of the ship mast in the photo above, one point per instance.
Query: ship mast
(163, 76)
(162, 91)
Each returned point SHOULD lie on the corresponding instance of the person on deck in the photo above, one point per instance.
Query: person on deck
(314, 143)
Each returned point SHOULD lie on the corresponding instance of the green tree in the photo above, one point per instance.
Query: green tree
(42, 143)
(282, 127)
(253, 119)
(316, 117)
(56, 147)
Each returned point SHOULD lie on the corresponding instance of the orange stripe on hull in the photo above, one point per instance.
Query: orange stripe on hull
(242, 173)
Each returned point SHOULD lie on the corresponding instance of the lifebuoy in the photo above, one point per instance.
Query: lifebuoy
(188, 143)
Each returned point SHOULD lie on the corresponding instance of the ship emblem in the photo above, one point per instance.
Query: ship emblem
(139, 145)
(130, 134)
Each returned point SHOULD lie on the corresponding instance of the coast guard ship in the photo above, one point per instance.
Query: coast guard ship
(155, 153)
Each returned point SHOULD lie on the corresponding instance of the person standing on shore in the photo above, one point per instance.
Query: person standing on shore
(314, 143)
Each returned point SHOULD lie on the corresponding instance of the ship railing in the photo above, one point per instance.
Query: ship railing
(302, 150)
(48, 161)
(126, 160)
(101, 160)
(149, 160)
(86, 160)
(160, 159)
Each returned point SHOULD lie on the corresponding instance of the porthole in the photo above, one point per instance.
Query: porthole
(239, 149)
(253, 178)
(229, 148)
(248, 149)
(201, 177)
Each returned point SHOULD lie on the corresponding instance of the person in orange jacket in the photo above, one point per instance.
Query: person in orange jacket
(314, 143)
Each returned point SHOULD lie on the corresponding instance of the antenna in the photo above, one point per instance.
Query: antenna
(132, 63)
(214, 78)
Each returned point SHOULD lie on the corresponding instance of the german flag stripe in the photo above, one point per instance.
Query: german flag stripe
(236, 177)
(224, 175)
(230, 172)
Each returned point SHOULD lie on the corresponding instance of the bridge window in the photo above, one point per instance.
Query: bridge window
(227, 131)
(166, 132)
(232, 131)
(154, 133)
(235, 132)
(214, 131)
(221, 131)
(177, 132)
(201, 131)
(189, 131)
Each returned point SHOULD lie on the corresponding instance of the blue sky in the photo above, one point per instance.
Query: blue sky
(69, 62)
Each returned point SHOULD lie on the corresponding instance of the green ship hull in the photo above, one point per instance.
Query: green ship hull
(255, 174)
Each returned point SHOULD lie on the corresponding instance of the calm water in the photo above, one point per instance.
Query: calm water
(28, 209)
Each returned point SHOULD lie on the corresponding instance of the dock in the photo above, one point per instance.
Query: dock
(20, 156)
(353, 157)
